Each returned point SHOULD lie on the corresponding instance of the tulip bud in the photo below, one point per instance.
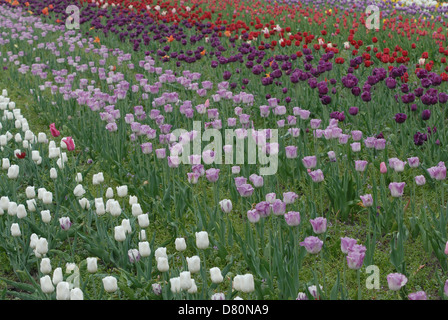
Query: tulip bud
(120, 234)
(46, 285)
(92, 264)
(109, 193)
(63, 291)
(53, 173)
(21, 211)
(180, 244)
(79, 191)
(175, 284)
(30, 192)
(42, 246)
(162, 264)
(126, 225)
(122, 191)
(144, 249)
(143, 220)
(57, 276)
(15, 230)
(202, 241)
(194, 264)
(110, 284)
(136, 209)
(47, 197)
(215, 275)
(76, 294)
(13, 171)
(45, 266)
(185, 280)
(46, 216)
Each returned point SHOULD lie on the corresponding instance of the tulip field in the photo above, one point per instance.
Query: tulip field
(223, 150)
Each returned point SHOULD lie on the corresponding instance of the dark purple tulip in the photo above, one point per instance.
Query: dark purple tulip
(426, 114)
(400, 117)
(353, 111)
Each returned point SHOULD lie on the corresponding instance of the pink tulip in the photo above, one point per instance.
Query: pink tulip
(54, 132)
(69, 143)
(383, 168)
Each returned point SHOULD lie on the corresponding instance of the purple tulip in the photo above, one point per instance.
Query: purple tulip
(253, 216)
(289, 197)
(367, 200)
(291, 152)
(263, 208)
(396, 189)
(309, 162)
(312, 244)
(420, 180)
(360, 165)
(355, 257)
(256, 180)
(347, 244)
(396, 281)
(245, 190)
(319, 225)
(278, 207)
(212, 174)
(419, 295)
(317, 175)
(292, 218)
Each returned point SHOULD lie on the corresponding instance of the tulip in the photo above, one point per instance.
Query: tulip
(180, 244)
(396, 189)
(317, 176)
(355, 258)
(347, 244)
(76, 294)
(42, 246)
(92, 264)
(156, 288)
(289, 197)
(360, 165)
(13, 171)
(292, 218)
(194, 264)
(312, 244)
(68, 143)
(309, 162)
(30, 192)
(122, 191)
(226, 205)
(216, 276)
(110, 284)
(63, 291)
(15, 230)
(162, 264)
(133, 255)
(65, 223)
(120, 234)
(396, 281)
(202, 241)
(319, 225)
(160, 253)
(57, 276)
(46, 284)
(144, 249)
(420, 180)
(383, 168)
(419, 295)
(185, 280)
(45, 266)
(143, 220)
(245, 190)
(367, 200)
(21, 211)
(54, 132)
